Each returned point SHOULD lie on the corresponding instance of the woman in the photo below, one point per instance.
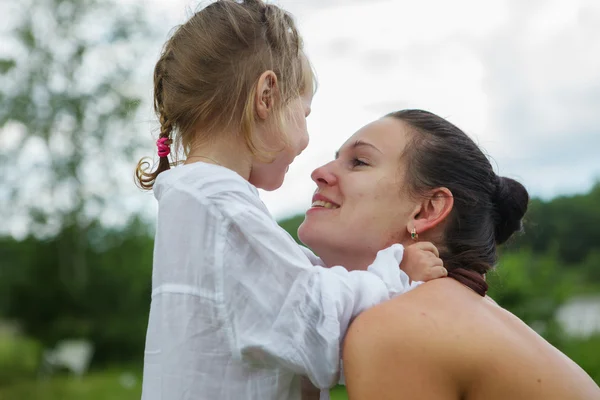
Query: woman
(414, 176)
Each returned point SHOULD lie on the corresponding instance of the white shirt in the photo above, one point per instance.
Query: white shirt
(239, 311)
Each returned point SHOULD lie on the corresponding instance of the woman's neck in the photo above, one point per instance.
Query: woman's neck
(226, 152)
(347, 259)
(351, 259)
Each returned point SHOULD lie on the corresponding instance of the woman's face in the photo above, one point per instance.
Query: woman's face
(361, 204)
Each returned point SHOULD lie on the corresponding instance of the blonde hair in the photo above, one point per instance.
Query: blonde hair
(205, 79)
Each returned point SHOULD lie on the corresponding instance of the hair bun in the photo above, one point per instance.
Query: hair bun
(511, 200)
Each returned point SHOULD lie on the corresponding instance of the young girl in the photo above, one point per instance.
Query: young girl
(239, 310)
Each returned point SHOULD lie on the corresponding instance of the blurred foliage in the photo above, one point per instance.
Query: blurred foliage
(585, 352)
(19, 359)
(111, 309)
(110, 384)
(291, 225)
(527, 284)
(567, 226)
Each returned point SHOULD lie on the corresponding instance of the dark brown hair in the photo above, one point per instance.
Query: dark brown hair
(487, 209)
(205, 79)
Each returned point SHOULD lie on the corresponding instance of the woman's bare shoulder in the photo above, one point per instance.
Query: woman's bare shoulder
(437, 316)
(441, 299)
(404, 343)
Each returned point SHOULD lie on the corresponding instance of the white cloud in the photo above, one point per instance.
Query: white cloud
(522, 78)
(543, 82)
(372, 59)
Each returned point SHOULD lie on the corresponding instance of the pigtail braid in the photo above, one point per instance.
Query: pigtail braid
(145, 179)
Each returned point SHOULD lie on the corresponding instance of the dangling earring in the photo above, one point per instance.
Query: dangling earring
(413, 234)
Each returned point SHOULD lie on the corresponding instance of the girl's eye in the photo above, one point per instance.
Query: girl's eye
(358, 163)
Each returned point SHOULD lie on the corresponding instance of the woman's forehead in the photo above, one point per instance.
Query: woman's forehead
(388, 135)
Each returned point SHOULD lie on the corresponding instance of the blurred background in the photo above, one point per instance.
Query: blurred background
(522, 78)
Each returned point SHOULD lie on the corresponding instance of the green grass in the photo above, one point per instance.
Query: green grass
(338, 393)
(19, 358)
(101, 385)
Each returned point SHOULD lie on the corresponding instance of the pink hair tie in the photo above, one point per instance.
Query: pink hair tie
(163, 147)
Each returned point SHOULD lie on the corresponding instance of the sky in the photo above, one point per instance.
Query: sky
(522, 78)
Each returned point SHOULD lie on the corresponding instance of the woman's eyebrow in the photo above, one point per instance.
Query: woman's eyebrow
(358, 143)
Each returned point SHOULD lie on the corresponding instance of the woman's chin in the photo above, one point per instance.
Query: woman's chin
(302, 233)
(317, 236)
(308, 234)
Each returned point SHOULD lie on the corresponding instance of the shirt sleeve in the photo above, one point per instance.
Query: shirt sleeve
(282, 310)
(312, 257)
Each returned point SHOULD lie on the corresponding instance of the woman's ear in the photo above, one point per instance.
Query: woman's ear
(432, 210)
(266, 89)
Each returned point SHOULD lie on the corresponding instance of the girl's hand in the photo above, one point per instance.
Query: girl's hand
(422, 262)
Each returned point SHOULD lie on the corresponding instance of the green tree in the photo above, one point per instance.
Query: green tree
(65, 120)
(292, 224)
(531, 285)
(68, 95)
(111, 310)
(568, 224)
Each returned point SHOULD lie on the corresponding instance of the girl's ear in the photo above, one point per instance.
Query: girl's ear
(266, 89)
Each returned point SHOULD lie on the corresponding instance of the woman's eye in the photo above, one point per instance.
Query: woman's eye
(358, 163)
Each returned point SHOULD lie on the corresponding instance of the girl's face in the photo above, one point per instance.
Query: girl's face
(269, 176)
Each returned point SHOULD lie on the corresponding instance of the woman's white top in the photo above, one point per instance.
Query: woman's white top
(239, 310)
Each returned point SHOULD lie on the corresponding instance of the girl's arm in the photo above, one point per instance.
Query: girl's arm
(281, 310)
(312, 257)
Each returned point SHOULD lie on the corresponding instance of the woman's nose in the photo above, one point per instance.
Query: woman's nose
(324, 175)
